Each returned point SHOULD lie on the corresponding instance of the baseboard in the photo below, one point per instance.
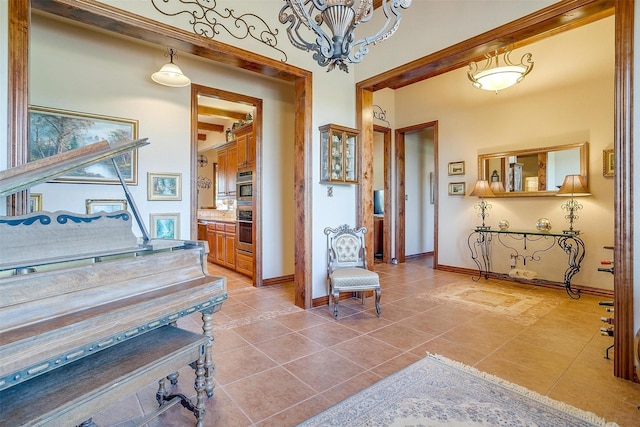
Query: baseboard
(418, 255)
(277, 280)
(536, 282)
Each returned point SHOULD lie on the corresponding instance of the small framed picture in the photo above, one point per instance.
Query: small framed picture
(456, 168)
(35, 202)
(105, 205)
(608, 162)
(165, 226)
(164, 186)
(456, 189)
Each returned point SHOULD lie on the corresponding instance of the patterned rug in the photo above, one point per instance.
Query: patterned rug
(521, 306)
(436, 391)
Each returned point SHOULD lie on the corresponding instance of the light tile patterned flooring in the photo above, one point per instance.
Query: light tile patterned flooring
(277, 365)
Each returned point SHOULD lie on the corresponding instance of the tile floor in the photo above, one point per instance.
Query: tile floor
(277, 365)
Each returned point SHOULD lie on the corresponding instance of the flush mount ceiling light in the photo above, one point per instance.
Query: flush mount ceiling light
(170, 74)
(497, 74)
(333, 25)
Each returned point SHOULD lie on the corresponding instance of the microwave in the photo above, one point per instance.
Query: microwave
(244, 187)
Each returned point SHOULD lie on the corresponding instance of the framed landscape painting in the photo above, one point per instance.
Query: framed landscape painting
(164, 186)
(53, 131)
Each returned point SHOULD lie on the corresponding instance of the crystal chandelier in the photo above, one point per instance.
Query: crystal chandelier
(333, 26)
(496, 76)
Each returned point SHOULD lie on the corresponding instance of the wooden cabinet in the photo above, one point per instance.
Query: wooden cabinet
(246, 146)
(222, 243)
(244, 263)
(211, 239)
(227, 169)
(338, 154)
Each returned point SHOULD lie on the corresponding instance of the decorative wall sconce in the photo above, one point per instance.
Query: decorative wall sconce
(170, 74)
(333, 28)
(482, 190)
(572, 186)
(495, 75)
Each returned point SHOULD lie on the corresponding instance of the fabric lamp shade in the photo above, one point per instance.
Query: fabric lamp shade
(482, 189)
(573, 185)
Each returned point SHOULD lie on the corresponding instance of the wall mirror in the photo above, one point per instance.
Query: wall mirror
(533, 172)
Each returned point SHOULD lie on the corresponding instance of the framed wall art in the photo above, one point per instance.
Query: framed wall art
(165, 226)
(164, 186)
(456, 168)
(35, 202)
(456, 189)
(53, 131)
(608, 162)
(105, 205)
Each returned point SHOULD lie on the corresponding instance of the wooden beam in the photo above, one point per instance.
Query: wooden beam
(202, 137)
(556, 18)
(211, 111)
(210, 127)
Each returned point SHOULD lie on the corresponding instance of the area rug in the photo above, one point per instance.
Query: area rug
(518, 305)
(436, 391)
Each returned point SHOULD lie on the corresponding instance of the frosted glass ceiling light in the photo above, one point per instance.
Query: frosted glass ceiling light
(495, 75)
(332, 28)
(170, 74)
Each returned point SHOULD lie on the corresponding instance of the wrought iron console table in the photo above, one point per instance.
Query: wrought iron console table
(479, 242)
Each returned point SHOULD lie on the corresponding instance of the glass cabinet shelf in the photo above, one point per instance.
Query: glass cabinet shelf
(338, 157)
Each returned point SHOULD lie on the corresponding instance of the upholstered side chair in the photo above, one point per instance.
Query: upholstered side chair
(347, 266)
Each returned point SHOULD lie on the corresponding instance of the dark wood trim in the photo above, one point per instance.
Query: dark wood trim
(302, 191)
(558, 17)
(400, 194)
(386, 225)
(364, 193)
(18, 97)
(108, 18)
(278, 280)
(623, 178)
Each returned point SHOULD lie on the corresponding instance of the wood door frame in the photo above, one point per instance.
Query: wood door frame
(386, 224)
(561, 16)
(224, 95)
(401, 189)
(112, 19)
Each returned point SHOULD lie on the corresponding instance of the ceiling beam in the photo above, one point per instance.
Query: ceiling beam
(211, 111)
(210, 127)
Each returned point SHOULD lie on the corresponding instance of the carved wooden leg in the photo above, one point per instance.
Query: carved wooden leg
(162, 391)
(200, 386)
(208, 361)
(173, 377)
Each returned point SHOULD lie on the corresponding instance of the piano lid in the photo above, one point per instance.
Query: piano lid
(42, 170)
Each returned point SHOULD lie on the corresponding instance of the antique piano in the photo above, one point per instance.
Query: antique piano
(88, 310)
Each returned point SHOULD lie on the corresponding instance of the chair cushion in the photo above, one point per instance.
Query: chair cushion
(354, 277)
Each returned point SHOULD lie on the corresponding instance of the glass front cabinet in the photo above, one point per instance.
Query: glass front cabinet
(338, 159)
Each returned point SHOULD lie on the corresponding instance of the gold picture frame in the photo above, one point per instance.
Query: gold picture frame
(608, 162)
(46, 138)
(35, 202)
(456, 188)
(456, 168)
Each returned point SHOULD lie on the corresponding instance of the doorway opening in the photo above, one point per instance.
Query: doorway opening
(214, 109)
(417, 196)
